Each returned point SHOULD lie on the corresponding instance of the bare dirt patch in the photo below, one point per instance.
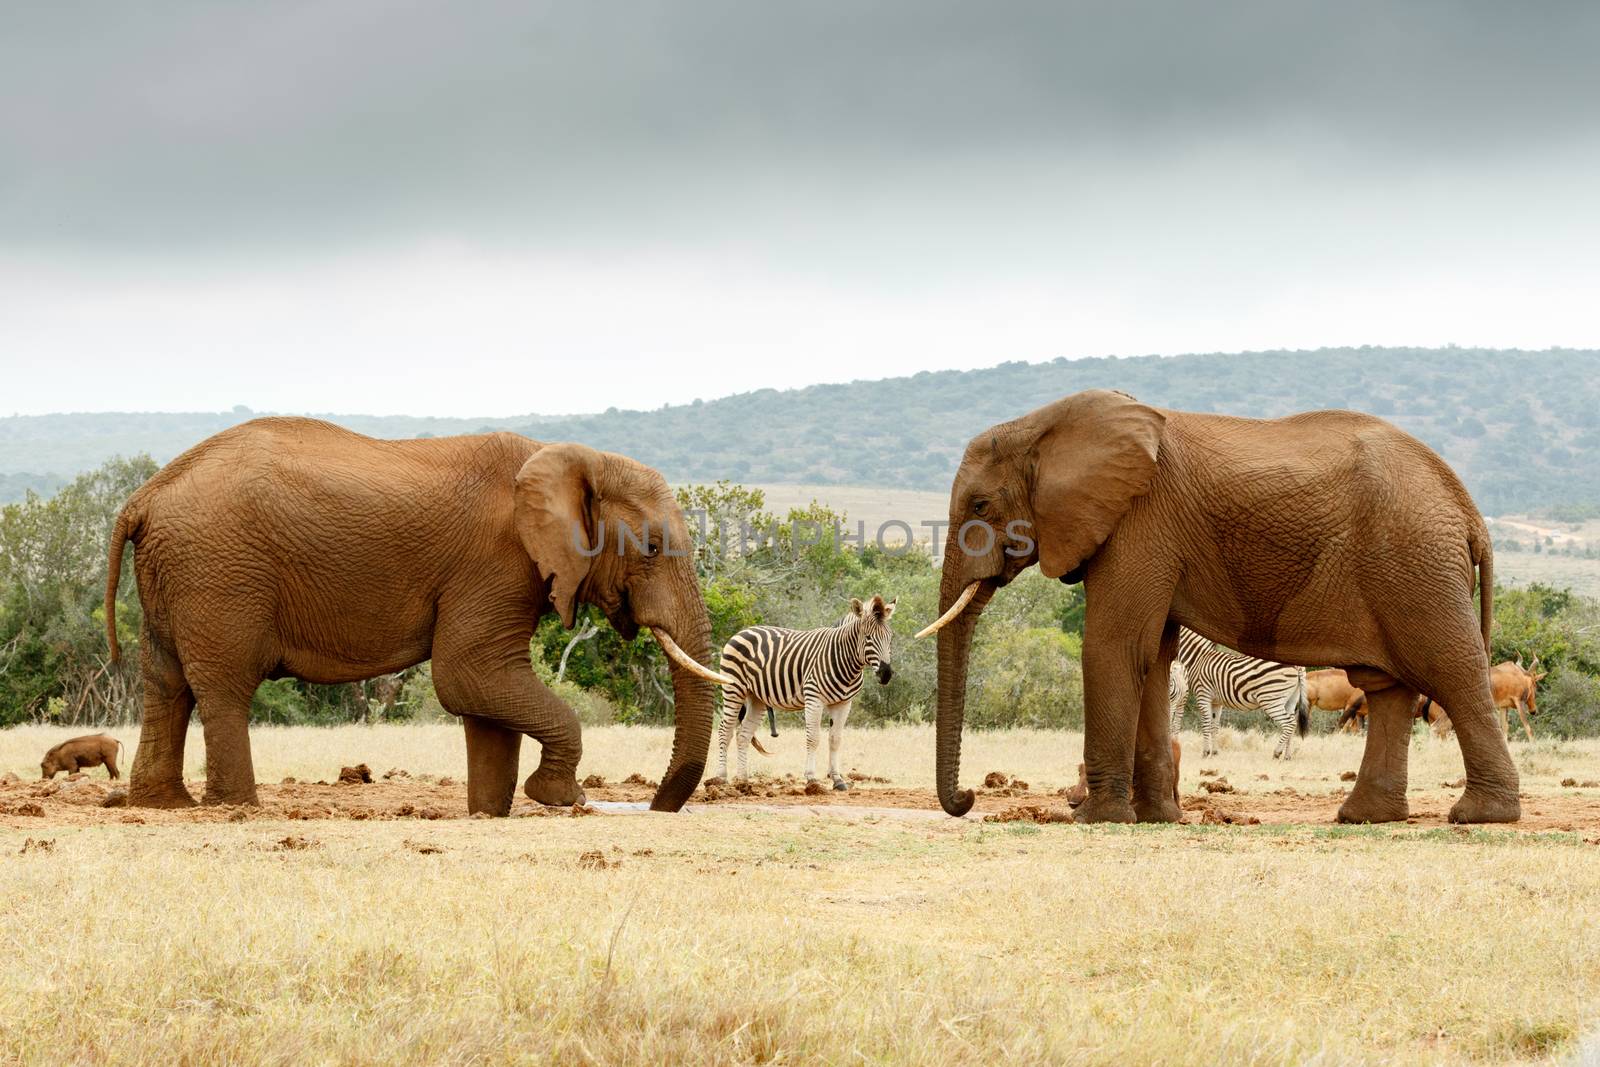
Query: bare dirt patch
(32, 805)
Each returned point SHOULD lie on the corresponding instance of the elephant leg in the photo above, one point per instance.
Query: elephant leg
(1380, 791)
(1492, 784)
(839, 714)
(491, 677)
(225, 719)
(1113, 672)
(156, 780)
(1154, 778)
(492, 758)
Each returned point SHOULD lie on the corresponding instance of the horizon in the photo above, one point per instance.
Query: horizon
(565, 416)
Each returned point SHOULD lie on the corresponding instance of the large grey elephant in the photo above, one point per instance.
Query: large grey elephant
(289, 547)
(1328, 538)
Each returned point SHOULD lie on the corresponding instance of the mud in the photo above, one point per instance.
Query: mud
(34, 806)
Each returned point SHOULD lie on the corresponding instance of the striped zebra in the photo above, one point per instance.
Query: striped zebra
(1177, 692)
(803, 670)
(1222, 678)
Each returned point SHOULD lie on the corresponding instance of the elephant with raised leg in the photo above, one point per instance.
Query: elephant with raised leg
(1324, 538)
(289, 547)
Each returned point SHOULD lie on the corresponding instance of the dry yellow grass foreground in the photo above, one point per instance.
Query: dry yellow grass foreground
(745, 936)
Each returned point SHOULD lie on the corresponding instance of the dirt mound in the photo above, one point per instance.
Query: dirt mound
(44, 844)
(1030, 813)
(595, 860)
(1217, 785)
(1347, 776)
(1216, 817)
(996, 780)
(857, 776)
(294, 843)
(638, 779)
(360, 774)
(594, 781)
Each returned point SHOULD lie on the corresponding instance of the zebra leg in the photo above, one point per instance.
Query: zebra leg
(747, 730)
(1285, 720)
(732, 701)
(1208, 723)
(838, 713)
(813, 734)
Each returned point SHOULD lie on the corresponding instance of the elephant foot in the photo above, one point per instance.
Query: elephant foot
(1156, 809)
(555, 790)
(1098, 807)
(1370, 805)
(169, 796)
(1481, 805)
(232, 796)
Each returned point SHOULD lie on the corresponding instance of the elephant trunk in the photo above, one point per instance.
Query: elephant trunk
(692, 712)
(955, 645)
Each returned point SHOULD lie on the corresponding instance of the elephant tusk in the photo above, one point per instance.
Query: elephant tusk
(686, 661)
(955, 609)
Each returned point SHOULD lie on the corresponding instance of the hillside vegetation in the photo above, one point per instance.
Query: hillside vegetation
(1521, 427)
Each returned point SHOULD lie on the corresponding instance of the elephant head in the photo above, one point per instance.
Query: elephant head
(1048, 488)
(605, 530)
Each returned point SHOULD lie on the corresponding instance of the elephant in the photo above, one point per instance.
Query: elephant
(1315, 539)
(291, 547)
(90, 750)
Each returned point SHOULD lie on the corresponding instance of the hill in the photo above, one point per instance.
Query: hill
(1521, 427)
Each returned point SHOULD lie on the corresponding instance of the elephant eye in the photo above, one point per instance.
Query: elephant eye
(652, 550)
(980, 507)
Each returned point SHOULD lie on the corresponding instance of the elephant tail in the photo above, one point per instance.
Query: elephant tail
(1483, 548)
(119, 536)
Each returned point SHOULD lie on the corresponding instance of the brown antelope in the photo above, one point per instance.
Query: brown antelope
(1514, 687)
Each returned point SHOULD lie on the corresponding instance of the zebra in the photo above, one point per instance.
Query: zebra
(1222, 678)
(803, 670)
(1177, 692)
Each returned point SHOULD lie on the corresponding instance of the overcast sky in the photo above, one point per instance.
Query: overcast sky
(489, 209)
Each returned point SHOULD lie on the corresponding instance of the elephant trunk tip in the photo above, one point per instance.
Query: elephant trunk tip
(676, 789)
(958, 804)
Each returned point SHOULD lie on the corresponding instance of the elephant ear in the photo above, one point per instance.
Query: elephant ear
(1096, 455)
(554, 495)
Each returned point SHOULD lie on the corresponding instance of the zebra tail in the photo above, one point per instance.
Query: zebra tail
(1302, 707)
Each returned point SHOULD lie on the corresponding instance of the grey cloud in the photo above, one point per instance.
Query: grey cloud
(353, 120)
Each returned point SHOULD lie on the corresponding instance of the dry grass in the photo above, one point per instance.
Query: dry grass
(734, 936)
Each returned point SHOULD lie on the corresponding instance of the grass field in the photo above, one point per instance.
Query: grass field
(833, 934)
